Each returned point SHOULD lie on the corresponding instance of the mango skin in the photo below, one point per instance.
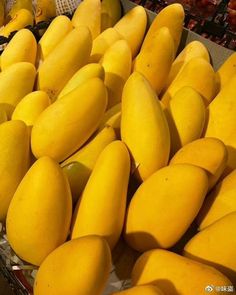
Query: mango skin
(113, 162)
(227, 70)
(79, 166)
(59, 67)
(3, 115)
(175, 274)
(149, 218)
(58, 132)
(31, 106)
(14, 160)
(111, 12)
(143, 124)
(39, 229)
(112, 118)
(216, 246)
(219, 203)
(21, 48)
(45, 10)
(141, 290)
(207, 153)
(17, 5)
(86, 260)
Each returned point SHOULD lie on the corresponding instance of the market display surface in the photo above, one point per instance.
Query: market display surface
(117, 155)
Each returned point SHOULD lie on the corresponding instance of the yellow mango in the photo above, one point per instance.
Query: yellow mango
(171, 17)
(162, 198)
(110, 13)
(17, 5)
(39, 214)
(14, 160)
(55, 33)
(186, 117)
(116, 62)
(227, 70)
(207, 153)
(20, 77)
(198, 74)
(79, 166)
(132, 27)
(102, 43)
(87, 72)
(141, 290)
(216, 246)
(221, 120)
(176, 275)
(155, 58)
(22, 19)
(86, 266)
(109, 114)
(59, 67)
(45, 10)
(144, 126)
(109, 196)
(220, 202)
(68, 123)
(21, 48)
(2, 12)
(191, 50)
(30, 107)
(88, 13)
(3, 115)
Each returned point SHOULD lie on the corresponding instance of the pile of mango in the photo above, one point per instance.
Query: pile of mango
(106, 132)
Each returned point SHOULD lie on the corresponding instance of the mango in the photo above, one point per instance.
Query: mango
(227, 70)
(88, 13)
(198, 74)
(86, 262)
(102, 43)
(155, 58)
(112, 118)
(143, 125)
(116, 62)
(3, 115)
(21, 76)
(207, 153)
(216, 246)
(171, 17)
(33, 223)
(59, 67)
(110, 13)
(68, 123)
(176, 275)
(141, 290)
(162, 198)
(79, 166)
(45, 10)
(18, 5)
(221, 120)
(14, 160)
(30, 107)
(87, 72)
(132, 27)
(113, 163)
(220, 202)
(185, 114)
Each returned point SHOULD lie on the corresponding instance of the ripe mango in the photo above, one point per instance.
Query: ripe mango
(175, 274)
(14, 160)
(111, 13)
(141, 290)
(3, 115)
(143, 125)
(132, 27)
(102, 43)
(21, 77)
(59, 67)
(227, 70)
(109, 196)
(87, 72)
(18, 5)
(220, 202)
(112, 118)
(155, 58)
(79, 166)
(31, 106)
(171, 17)
(39, 215)
(198, 74)
(116, 62)
(162, 198)
(45, 10)
(86, 266)
(216, 246)
(221, 120)
(207, 153)
(68, 123)
(88, 14)
(186, 117)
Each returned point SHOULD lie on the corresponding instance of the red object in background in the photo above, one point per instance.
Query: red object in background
(206, 8)
(232, 14)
